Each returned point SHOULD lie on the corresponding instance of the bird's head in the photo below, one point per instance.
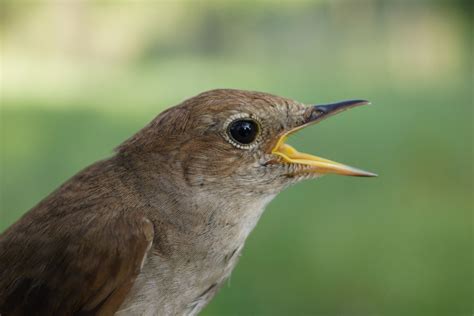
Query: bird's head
(233, 141)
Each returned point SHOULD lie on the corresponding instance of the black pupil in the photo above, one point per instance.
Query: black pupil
(243, 131)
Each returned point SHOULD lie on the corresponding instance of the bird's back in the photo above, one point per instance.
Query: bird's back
(77, 251)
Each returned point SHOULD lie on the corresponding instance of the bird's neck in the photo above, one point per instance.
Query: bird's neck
(204, 221)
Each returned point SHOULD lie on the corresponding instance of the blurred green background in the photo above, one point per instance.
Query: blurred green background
(78, 78)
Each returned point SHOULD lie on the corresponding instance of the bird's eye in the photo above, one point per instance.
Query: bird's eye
(243, 131)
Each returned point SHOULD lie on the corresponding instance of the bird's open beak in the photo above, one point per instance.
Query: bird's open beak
(319, 165)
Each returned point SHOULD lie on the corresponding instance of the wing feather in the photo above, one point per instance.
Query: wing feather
(53, 267)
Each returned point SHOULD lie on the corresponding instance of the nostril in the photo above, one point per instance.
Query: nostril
(321, 110)
(316, 113)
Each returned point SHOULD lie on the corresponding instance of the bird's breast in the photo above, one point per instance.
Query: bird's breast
(202, 259)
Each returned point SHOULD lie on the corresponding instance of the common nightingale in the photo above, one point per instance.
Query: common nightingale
(157, 228)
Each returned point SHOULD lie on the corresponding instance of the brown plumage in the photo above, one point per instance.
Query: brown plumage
(158, 227)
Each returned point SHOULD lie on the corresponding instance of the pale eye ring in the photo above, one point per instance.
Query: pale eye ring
(243, 131)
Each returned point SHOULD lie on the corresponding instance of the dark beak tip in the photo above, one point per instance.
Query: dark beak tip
(371, 175)
(365, 102)
(357, 102)
(333, 107)
(324, 110)
(366, 175)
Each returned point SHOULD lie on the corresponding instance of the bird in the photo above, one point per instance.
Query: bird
(158, 227)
